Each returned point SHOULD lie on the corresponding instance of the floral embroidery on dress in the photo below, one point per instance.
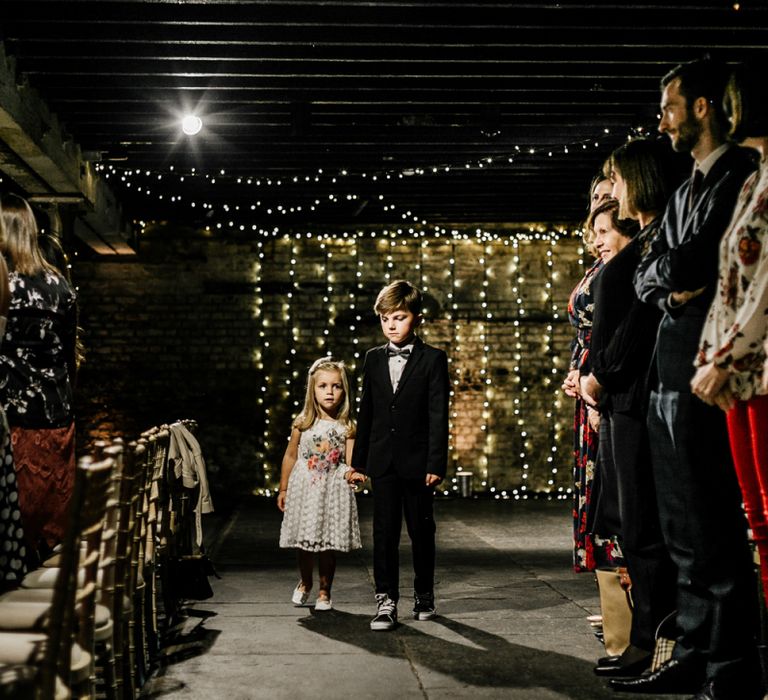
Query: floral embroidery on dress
(320, 507)
(323, 452)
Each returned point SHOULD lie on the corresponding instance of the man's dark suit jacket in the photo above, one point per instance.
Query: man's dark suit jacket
(685, 257)
(406, 429)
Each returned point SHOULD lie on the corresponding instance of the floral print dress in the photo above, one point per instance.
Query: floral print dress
(588, 551)
(320, 507)
(35, 386)
(36, 354)
(735, 330)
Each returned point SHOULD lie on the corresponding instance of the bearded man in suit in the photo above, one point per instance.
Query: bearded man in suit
(698, 495)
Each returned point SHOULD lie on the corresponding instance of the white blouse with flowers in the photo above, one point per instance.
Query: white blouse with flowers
(735, 329)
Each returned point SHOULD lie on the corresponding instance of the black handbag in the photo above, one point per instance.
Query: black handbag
(189, 577)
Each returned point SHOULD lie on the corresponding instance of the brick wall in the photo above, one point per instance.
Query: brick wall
(223, 331)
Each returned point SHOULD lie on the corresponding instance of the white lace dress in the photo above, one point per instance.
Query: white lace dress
(320, 507)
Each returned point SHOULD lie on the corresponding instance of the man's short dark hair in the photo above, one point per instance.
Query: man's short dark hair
(704, 77)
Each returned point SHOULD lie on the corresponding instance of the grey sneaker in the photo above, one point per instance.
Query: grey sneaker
(386, 614)
(424, 606)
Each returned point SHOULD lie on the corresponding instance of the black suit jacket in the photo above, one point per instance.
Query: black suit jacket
(685, 257)
(406, 429)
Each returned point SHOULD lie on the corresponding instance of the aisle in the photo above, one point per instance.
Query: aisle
(511, 624)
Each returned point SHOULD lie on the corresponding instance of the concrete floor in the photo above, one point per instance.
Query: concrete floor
(512, 616)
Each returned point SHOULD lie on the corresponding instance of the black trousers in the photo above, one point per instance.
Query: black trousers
(705, 530)
(628, 490)
(394, 496)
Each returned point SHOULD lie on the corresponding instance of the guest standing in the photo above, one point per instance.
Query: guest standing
(731, 352)
(588, 553)
(623, 338)
(698, 496)
(37, 360)
(12, 546)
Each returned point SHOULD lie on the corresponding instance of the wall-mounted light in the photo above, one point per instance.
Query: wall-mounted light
(191, 124)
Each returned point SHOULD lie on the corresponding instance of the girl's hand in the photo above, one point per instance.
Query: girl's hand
(281, 501)
(354, 477)
(571, 384)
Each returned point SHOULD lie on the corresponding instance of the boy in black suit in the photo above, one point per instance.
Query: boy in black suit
(402, 444)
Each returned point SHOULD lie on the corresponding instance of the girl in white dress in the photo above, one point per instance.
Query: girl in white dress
(316, 485)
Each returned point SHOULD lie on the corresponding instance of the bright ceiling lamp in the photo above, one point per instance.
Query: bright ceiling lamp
(191, 124)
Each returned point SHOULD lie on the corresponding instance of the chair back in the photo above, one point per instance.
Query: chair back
(109, 537)
(93, 526)
(88, 499)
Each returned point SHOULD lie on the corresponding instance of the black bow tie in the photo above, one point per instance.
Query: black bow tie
(398, 352)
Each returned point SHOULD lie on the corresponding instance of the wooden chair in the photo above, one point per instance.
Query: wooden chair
(103, 626)
(46, 657)
(156, 463)
(125, 608)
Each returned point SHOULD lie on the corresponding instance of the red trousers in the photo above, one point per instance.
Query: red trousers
(748, 433)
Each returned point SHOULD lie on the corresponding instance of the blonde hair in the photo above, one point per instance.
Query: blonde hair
(311, 411)
(398, 295)
(19, 237)
(588, 235)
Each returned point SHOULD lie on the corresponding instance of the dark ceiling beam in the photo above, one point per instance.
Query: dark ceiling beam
(286, 87)
(46, 164)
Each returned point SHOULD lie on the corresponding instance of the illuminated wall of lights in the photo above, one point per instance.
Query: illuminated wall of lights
(494, 303)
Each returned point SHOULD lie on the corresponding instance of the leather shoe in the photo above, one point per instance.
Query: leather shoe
(713, 690)
(632, 662)
(608, 660)
(673, 677)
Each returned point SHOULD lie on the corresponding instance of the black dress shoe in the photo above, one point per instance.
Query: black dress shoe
(673, 677)
(631, 663)
(714, 690)
(607, 660)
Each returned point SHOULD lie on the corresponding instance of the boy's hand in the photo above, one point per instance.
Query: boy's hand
(433, 479)
(354, 477)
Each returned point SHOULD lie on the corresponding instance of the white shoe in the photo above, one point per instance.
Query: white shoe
(323, 604)
(299, 597)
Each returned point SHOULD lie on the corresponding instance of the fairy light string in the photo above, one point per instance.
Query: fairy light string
(457, 268)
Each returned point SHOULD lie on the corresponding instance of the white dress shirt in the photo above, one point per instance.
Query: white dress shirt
(397, 363)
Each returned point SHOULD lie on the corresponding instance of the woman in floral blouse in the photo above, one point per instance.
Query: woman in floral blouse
(36, 368)
(732, 349)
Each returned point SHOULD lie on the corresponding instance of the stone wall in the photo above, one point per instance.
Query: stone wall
(223, 331)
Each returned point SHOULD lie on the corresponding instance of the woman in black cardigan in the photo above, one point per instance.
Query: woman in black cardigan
(623, 337)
